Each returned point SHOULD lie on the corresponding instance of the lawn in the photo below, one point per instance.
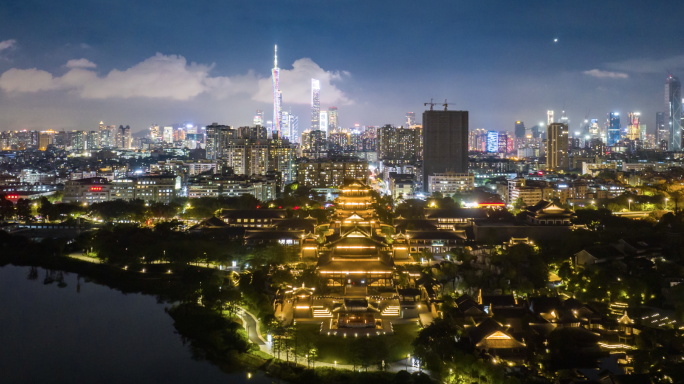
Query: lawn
(335, 348)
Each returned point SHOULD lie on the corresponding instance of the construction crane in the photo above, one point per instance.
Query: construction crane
(432, 104)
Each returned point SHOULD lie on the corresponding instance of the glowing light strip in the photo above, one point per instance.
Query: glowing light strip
(353, 247)
(354, 272)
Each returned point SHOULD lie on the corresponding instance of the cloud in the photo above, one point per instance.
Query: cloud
(7, 44)
(80, 63)
(171, 77)
(649, 65)
(295, 84)
(606, 74)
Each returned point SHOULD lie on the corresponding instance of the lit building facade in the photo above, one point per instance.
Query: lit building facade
(673, 103)
(315, 104)
(613, 130)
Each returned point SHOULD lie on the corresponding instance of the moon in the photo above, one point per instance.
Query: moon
(555, 40)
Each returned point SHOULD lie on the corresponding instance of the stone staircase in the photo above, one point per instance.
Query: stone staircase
(391, 310)
(320, 311)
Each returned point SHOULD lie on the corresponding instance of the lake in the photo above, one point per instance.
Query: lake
(92, 335)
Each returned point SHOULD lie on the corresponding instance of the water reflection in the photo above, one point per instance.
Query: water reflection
(69, 330)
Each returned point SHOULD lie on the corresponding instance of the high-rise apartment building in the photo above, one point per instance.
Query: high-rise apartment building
(123, 137)
(398, 143)
(92, 140)
(613, 129)
(445, 143)
(477, 140)
(46, 138)
(315, 104)
(218, 137)
(410, 119)
(314, 144)
(549, 117)
(333, 124)
(503, 142)
(673, 105)
(557, 147)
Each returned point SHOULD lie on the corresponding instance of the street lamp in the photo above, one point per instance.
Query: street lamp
(407, 360)
(666, 203)
(629, 202)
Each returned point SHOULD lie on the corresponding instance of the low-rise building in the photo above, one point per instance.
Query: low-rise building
(401, 185)
(87, 191)
(149, 188)
(449, 183)
(263, 188)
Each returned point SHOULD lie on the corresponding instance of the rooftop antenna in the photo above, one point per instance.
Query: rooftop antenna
(275, 62)
(431, 104)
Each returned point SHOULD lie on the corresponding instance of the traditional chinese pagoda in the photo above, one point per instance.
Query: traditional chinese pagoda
(354, 256)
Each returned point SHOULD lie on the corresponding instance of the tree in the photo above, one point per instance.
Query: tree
(519, 203)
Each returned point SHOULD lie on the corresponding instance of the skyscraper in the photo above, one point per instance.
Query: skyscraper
(557, 147)
(332, 118)
(613, 128)
(662, 132)
(294, 128)
(323, 121)
(445, 143)
(315, 105)
(167, 135)
(594, 130)
(410, 119)
(673, 103)
(519, 129)
(503, 142)
(154, 132)
(549, 117)
(259, 117)
(633, 127)
(492, 141)
(285, 131)
(277, 97)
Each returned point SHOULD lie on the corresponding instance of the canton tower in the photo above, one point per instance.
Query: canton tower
(277, 98)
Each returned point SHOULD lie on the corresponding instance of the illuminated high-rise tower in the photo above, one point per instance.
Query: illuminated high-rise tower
(410, 119)
(633, 127)
(315, 105)
(332, 119)
(549, 118)
(259, 117)
(613, 129)
(673, 103)
(277, 97)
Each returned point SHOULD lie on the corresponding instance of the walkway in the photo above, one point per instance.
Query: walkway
(252, 325)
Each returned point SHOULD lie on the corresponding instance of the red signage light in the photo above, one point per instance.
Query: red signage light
(95, 189)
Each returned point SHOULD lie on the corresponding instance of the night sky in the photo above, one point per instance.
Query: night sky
(70, 64)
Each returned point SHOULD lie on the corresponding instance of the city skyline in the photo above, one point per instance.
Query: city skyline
(73, 80)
